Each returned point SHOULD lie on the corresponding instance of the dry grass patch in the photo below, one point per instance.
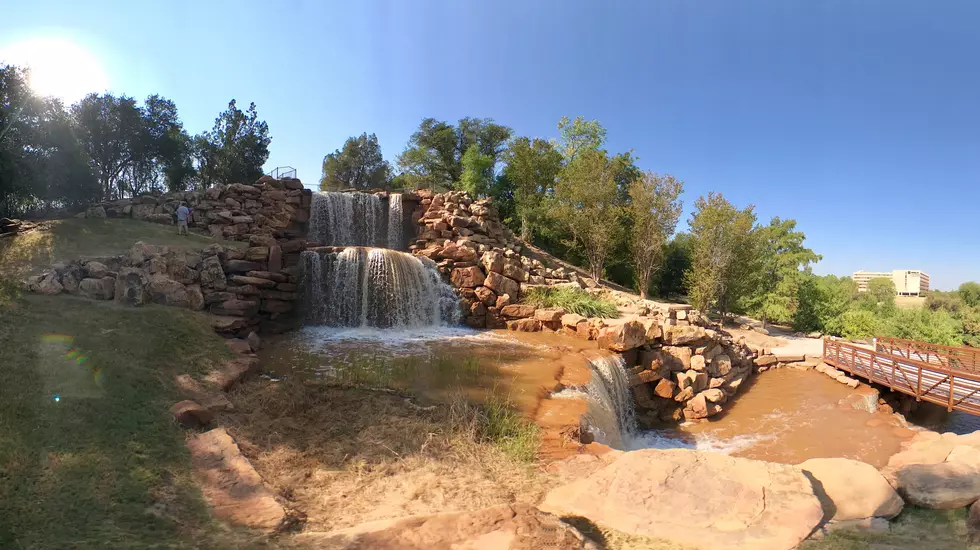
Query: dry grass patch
(344, 455)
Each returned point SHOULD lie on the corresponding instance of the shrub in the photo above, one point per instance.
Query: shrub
(856, 324)
(573, 300)
(925, 325)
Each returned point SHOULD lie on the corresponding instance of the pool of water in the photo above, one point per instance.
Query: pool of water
(788, 416)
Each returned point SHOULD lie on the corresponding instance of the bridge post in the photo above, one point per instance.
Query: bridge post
(949, 406)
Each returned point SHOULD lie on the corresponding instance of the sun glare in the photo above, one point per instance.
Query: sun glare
(58, 67)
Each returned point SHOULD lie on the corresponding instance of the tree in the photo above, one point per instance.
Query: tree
(723, 251)
(235, 150)
(782, 262)
(970, 293)
(879, 298)
(579, 135)
(654, 209)
(110, 131)
(586, 206)
(434, 155)
(532, 168)
(358, 165)
(477, 177)
(821, 302)
(677, 260)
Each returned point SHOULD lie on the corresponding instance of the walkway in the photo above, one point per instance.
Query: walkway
(947, 376)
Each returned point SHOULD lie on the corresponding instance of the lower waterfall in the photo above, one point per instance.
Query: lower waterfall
(611, 414)
(376, 287)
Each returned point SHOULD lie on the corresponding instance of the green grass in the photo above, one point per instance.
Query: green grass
(500, 424)
(573, 300)
(63, 240)
(914, 528)
(89, 456)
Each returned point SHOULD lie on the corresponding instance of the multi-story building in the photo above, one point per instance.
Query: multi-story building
(908, 282)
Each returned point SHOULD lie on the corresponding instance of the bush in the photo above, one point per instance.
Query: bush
(925, 325)
(856, 324)
(573, 300)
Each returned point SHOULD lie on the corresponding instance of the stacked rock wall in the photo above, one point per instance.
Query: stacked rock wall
(279, 208)
(246, 288)
(479, 256)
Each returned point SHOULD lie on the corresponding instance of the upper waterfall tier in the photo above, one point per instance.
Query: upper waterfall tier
(357, 219)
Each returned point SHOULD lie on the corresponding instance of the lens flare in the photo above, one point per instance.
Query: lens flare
(75, 355)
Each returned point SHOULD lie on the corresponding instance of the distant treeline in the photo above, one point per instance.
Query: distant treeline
(107, 147)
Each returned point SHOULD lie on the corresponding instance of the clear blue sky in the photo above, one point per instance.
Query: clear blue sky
(860, 119)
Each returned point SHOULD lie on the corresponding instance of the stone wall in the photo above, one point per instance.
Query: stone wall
(271, 207)
(479, 256)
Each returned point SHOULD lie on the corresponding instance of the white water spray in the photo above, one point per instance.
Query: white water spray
(611, 414)
(395, 239)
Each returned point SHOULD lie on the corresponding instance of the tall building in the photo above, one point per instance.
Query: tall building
(908, 282)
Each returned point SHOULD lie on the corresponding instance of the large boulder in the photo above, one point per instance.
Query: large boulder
(98, 289)
(942, 486)
(467, 277)
(131, 287)
(504, 527)
(49, 284)
(212, 274)
(167, 292)
(517, 311)
(704, 500)
(851, 490)
(503, 285)
(623, 336)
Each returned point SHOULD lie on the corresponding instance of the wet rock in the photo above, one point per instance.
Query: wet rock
(505, 527)
(704, 500)
(190, 414)
(524, 325)
(230, 484)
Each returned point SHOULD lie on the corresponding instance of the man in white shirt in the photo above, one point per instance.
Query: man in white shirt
(182, 214)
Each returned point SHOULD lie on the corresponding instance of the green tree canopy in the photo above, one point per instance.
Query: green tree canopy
(532, 166)
(586, 205)
(358, 165)
(782, 262)
(434, 155)
(722, 254)
(235, 150)
(653, 209)
(970, 293)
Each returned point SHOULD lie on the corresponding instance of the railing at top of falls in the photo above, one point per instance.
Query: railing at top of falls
(357, 219)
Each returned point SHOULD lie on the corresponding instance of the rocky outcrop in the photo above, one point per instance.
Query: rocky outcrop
(10, 227)
(479, 256)
(505, 527)
(230, 484)
(705, 500)
(851, 490)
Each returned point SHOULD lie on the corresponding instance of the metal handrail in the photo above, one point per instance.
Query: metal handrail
(964, 357)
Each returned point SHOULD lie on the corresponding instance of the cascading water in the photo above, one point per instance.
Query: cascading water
(356, 219)
(376, 287)
(611, 414)
(395, 221)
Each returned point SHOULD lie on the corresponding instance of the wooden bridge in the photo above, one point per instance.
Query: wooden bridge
(944, 375)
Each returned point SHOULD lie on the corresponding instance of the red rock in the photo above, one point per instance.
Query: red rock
(232, 372)
(237, 345)
(665, 388)
(517, 311)
(503, 285)
(549, 315)
(254, 281)
(467, 277)
(524, 325)
(230, 484)
(190, 414)
(486, 296)
(622, 336)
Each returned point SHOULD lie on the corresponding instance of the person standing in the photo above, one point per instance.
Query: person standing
(182, 215)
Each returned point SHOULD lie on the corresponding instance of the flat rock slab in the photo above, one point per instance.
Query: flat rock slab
(506, 527)
(705, 500)
(229, 483)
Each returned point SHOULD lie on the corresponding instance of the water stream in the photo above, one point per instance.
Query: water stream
(356, 219)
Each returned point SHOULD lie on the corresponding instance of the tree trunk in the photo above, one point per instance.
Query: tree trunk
(525, 230)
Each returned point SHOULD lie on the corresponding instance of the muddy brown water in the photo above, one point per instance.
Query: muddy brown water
(789, 416)
(784, 415)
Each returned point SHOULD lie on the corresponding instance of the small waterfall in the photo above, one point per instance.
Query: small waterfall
(611, 413)
(395, 221)
(376, 287)
(348, 219)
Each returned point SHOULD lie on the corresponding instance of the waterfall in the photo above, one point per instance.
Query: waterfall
(376, 287)
(611, 414)
(348, 219)
(395, 221)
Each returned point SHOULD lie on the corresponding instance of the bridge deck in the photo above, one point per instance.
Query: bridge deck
(925, 373)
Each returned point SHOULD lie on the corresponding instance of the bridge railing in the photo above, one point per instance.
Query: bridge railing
(962, 358)
(942, 384)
